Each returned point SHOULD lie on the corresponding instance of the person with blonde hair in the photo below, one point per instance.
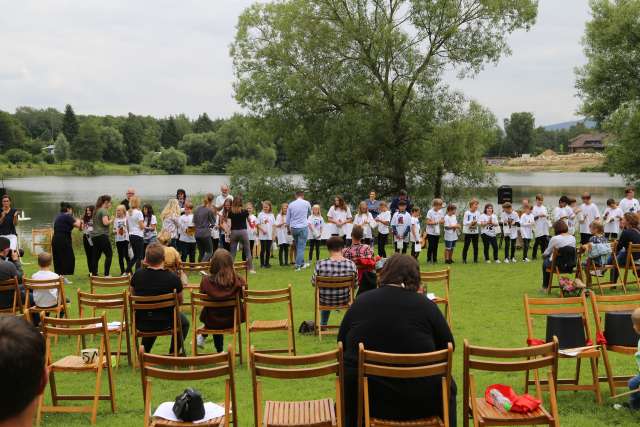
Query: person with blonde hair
(315, 223)
(172, 261)
(170, 217)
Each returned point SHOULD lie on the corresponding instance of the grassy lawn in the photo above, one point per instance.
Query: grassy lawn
(487, 308)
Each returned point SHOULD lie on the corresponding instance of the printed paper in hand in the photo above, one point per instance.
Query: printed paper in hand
(417, 247)
(211, 411)
(400, 244)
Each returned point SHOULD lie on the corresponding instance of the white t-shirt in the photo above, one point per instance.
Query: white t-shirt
(252, 227)
(436, 216)
(282, 231)
(383, 216)
(489, 224)
(560, 213)
(542, 223)
(611, 220)
(341, 215)
(48, 297)
(134, 217)
(120, 229)
(186, 221)
(589, 214)
(470, 217)
(450, 235)
(220, 200)
(571, 223)
(527, 221)
(402, 222)
(559, 241)
(150, 233)
(215, 230)
(367, 222)
(316, 223)
(414, 233)
(510, 231)
(266, 222)
(629, 205)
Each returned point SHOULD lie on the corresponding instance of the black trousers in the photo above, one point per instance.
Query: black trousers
(265, 252)
(283, 253)
(584, 238)
(187, 251)
(413, 250)
(205, 248)
(404, 247)
(611, 236)
(123, 256)
(432, 248)
(541, 242)
(382, 243)
(314, 243)
(137, 244)
(101, 245)
(148, 342)
(490, 242)
(510, 248)
(214, 245)
(525, 248)
(470, 239)
(87, 242)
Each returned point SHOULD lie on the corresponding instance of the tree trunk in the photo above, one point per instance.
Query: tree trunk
(437, 185)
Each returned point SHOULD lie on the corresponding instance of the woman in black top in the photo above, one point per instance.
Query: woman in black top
(8, 221)
(629, 224)
(64, 260)
(395, 318)
(239, 233)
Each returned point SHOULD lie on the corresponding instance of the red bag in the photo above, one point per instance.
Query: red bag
(521, 404)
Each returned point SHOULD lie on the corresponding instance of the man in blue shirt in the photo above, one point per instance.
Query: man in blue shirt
(373, 204)
(297, 215)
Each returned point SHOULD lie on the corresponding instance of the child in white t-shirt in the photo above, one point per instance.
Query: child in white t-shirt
(401, 227)
(451, 229)
(629, 203)
(471, 230)
(527, 223)
(573, 215)
(315, 222)
(48, 297)
(590, 213)
(541, 218)
(509, 219)
(266, 223)
(489, 226)
(383, 220)
(414, 234)
(435, 218)
(187, 239)
(121, 231)
(282, 235)
(364, 219)
(252, 229)
(611, 218)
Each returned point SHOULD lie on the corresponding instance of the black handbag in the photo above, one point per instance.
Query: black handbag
(189, 405)
(308, 327)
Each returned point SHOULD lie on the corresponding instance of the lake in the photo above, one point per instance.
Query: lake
(39, 197)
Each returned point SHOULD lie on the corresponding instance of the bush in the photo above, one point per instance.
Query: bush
(49, 159)
(3, 159)
(84, 168)
(16, 155)
(172, 161)
(135, 169)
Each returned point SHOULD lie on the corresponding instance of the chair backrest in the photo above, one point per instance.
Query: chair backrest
(32, 285)
(107, 302)
(202, 301)
(427, 278)
(196, 267)
(11, 286)
(154, 302)
(194, 368)
(272, 296)
(550, 306)
(102, 282)
(55, 327)
(41, 237)
(339, 282)
(632, 250)
(242, 270)
(564, 259)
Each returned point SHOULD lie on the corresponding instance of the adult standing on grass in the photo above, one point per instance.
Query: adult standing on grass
(181, 196)
(8, 222)
(100, 235)
(204, 219)
(402, 196)
(239, 232)
(395, 318)
(170, 217)
(297, 215)
(373, 204)
(64, 260)
(223, 196)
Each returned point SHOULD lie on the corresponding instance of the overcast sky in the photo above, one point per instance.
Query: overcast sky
(165, 57)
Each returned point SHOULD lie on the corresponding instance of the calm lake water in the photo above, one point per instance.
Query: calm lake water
(39, 197)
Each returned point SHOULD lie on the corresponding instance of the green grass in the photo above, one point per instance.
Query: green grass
(487, 308)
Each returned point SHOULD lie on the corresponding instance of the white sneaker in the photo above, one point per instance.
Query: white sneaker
(506, 260)
(200, 341)
(298, 269)
(513, 260)
(306, 265)
(488, 261)
(526, 260)
(497, 261)
(252, 272)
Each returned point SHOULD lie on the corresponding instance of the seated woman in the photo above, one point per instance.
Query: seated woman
(395, 318)
(335, 266)
(222, 284)
(561, 239)
(630, 233)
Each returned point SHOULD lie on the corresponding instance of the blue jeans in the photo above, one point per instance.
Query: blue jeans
(300, 241)
(622, 260)
(324, 317)
(634, 399)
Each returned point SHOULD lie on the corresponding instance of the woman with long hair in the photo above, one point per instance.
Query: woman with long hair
(87, 230)
(149, 233)
(170, 217)
(181, 197)
(100, 235)
(135, 223)
(338, 217)
(222, 284)
(224, 226)
(239, 232)
(64, 260)
(8, 221)
(204, 220)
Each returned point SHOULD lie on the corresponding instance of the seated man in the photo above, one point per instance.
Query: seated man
(10, 267)
(22, 369)
(155, 280)
(335, 266)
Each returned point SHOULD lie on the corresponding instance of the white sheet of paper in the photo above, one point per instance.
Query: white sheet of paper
(417, 247)
(569, 352)
(211, 411)
(431, 296)
(112, 326)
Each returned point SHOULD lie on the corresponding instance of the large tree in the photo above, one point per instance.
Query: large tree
(611, 75)
(369, 70)
(12, 134)
(133, 137)
(88, 145)
(519, 133)
(170, 136)
(70, 126)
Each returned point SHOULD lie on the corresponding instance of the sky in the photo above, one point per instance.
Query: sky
(160, 57)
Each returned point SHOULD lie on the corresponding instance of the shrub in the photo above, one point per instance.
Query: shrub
(172, 161)
(135, 169)
(84, 168)
(16, 155)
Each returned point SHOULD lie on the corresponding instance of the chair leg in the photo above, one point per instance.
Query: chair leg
(96, 395)
(112, 388)
(609, 371)
(596, 382)
(52, 387)
(39, 409)
(128, 338)
(578, 364)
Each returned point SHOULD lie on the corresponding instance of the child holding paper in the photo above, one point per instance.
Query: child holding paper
(401, 226)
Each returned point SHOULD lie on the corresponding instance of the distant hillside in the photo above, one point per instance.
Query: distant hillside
(566, 125)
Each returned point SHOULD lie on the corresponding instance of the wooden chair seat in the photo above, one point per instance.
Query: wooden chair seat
(489, 412)
(156, 421)
(305, 413)
(422, 422)
(270, 325)
(75, 363)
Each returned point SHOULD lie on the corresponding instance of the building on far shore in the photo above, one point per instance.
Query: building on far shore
(588, 143)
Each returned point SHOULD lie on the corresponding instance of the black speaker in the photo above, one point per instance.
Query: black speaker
(618, 329)
(568, 328)
(505, 194)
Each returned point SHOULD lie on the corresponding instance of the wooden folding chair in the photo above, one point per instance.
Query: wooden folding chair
(203, 301)
(428, 278)
(157, 302)
(403, 366)
(41, 238)
(11, 286)
(109, 284)
(528, 359)
(613, 304)
(242, 270)
(197, 269)
(32, 285)
(197, 368)
(632, 264)
(332, 284)
(566, 306)
(275, 296)
(554, 271)
(53, 327)
(316, 413)
(595, 273)
(106, 303)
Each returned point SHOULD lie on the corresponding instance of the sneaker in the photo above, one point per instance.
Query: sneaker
(525, 260)
(497, 261)
(267, 266)
(513, 260)
(306, 265)
(506, 260)
(620, 406)
(298, 269)
(488, 261)
(200, 341)
(252, 272)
